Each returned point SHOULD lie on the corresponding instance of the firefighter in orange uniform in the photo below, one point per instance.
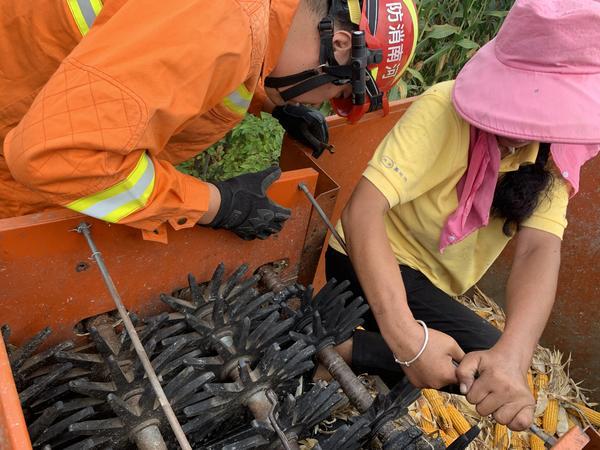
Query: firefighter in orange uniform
(99, 99)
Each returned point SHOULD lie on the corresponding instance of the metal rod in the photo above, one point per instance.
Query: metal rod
(323, 216)
(84, 228)
(349, 382)
(291, 444)
(549, 441)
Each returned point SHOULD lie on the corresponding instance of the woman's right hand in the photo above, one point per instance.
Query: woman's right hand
(434, 368)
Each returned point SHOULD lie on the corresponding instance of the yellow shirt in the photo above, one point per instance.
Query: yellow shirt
(417, 168)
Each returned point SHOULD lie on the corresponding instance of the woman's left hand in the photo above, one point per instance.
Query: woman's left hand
(497, 384)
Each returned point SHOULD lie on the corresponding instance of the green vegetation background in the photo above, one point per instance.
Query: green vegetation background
(450, 32)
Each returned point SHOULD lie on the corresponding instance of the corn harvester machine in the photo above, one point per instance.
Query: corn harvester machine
(214, 341)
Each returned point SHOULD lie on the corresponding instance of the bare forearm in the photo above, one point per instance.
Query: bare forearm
(530, 294)
(376, 267)
(378, 271)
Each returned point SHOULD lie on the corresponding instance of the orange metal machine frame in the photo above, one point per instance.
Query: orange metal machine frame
(47, 278)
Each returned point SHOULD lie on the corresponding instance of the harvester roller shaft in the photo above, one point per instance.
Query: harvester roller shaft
(343, 374)
(84, 229)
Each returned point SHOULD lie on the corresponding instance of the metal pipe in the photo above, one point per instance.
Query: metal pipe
(262, 405)
(324, 217)
(84, 228)
(149, 438)
(549, 441)
(343, 374)
(270, 278)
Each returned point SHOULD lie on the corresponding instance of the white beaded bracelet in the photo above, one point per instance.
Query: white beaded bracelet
(425, 341)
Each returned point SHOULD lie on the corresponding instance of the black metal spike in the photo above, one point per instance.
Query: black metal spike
(41, 383)
(244, 288)
(120, 381)
(212, 289)
(190, 338)
(348, 437)
(79, 358)
(95, 426)
(37, 427)
(179, 362)
(233, 280)
(96, 389)
(202, 328)
(174, 329)
(35, 361)
(121, 408)
(168, 354)
(180, 305)
(60, 427)
(195, 290)
(18, 357)
(194, 382)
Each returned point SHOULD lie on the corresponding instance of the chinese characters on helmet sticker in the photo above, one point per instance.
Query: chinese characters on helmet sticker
(396, 36)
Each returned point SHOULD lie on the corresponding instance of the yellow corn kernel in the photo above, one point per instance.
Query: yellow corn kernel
(572, 421)
(535, 442)
(427, 420)
(500, 437)
(447, 439)
(517, 442)
(590, 414)
(460, 424)
(530, 383)
(452, 435)
(551, 417)
(541, 382)
(437, 405)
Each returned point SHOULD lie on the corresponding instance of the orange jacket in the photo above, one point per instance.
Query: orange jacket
(94, 117)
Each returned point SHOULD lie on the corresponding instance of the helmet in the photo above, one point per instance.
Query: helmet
(382, 48)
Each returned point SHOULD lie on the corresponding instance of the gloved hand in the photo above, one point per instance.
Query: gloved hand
(306, 125)
(245, 208)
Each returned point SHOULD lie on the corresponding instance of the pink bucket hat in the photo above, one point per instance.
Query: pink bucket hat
(539, 79)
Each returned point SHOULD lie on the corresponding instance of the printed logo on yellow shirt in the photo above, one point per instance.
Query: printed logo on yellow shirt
(389, 163)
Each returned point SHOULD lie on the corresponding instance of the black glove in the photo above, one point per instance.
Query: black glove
(245, 208)
(306, 125)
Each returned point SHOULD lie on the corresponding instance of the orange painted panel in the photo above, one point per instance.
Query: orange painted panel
(47, 277)
(13, 431)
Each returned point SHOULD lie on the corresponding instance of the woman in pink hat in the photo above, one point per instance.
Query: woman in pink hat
(473, 163)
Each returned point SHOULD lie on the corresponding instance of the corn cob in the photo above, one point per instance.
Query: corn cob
(592, 415)
(551, 417)
(452, 434)
(573, 421)
(535, 442)
(427, 420)
(437, 405)
(500, 437)
(460, 424)
(447, 439)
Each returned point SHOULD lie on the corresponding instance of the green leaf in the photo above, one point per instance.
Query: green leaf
(441, 31)
(498, 14)
(467, 43)
(416, 74)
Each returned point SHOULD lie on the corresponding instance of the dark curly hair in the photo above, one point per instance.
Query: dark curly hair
(518, 193)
